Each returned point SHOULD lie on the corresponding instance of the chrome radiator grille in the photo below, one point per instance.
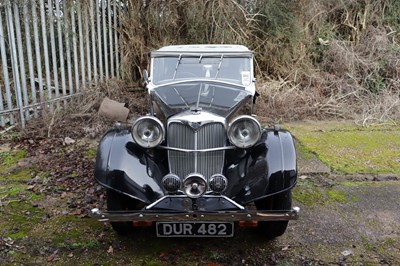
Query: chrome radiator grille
(208, 136)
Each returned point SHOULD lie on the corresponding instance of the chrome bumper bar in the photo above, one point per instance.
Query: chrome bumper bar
(226, 216)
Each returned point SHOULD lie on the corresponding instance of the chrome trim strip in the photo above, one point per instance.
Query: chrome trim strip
(161, 199)
(202, 150)
(184, 196)
(228, 199)
(204, 118)
(195, 154)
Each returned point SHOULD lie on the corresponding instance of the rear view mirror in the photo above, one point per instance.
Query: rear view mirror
(145, 76)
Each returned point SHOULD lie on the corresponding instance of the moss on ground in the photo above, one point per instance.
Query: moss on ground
(309, 196)
(10, 158)
(337, 195)
(367, 184)
(305, 152)
(18, 175)
(348, 148)
(310, 193)
(91, 152)
(19, 211)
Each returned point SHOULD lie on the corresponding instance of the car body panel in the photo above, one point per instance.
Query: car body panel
(125, 167)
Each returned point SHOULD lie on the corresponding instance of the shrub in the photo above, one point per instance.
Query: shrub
(332, 56)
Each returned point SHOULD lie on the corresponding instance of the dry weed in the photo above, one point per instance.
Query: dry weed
(380, 109)
(336, 57)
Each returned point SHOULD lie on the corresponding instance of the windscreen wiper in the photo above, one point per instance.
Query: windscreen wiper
(219, 66)
(177, 64)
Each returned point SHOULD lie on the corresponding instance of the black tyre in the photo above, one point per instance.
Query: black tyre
(281, 201)
(120, 202)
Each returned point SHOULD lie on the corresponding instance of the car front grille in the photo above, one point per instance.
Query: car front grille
(208, 136)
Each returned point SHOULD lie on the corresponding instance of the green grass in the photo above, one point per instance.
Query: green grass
(348, 148)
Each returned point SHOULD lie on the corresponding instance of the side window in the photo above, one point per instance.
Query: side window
(232, 69)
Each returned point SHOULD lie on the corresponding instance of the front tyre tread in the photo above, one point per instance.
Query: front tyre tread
(120, 202)
(281, 201)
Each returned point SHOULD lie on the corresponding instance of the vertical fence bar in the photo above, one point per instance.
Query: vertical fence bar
(74, 48)
(98, 18)
(53, 50)
(4, 63)
(103, 15)
(29, 53)
(92, 22)
(116, 35)
(92, 65)
(46, 52)
(87, 39)
(21, 58)
(14, 63)
(37, 50)
(67, 30)
(82, 55)
(61, 48)
(2, 120)
(110, 35)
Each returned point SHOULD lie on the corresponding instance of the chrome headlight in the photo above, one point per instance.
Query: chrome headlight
(194, 185)
(148, 131)
(171, 182)
(218, 183)
(244, 131)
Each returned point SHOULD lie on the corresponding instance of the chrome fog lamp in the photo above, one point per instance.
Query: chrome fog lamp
(148, 131)
(244, 131)
(171, 182)
(194, 185)
(218, 183)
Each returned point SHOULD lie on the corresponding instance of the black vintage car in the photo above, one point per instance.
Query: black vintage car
(198, 164)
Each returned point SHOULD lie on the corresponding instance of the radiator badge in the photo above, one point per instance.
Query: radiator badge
(194, 125)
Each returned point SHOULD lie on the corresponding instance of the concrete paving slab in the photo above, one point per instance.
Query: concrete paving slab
(310, 164)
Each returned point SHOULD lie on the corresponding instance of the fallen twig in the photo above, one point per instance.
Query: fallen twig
(8, 129)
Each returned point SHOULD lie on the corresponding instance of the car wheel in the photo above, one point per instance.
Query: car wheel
(281, 201)
(120, 202)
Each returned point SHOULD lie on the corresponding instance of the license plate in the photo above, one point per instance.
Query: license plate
(194, 229)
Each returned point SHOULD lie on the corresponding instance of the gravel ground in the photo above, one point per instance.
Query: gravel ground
(345, 220)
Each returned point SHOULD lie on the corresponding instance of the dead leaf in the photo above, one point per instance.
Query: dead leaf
(347, 253)
(110, 250)
(69, 141)
(53, 256)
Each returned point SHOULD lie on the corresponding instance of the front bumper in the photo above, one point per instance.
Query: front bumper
(179, 209)
(217, 216)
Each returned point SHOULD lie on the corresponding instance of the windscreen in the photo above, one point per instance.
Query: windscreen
(214, 97)
(231, 69)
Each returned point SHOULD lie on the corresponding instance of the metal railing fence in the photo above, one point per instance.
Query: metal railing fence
(52, 50)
